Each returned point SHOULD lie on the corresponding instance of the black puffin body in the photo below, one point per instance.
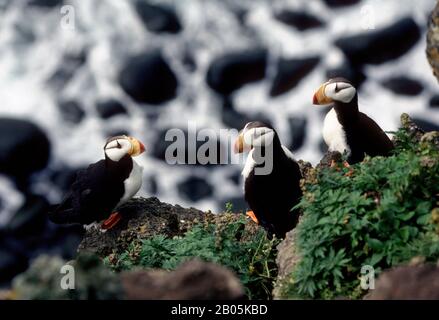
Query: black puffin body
(100, 188)
(345, 127)
(271, 196)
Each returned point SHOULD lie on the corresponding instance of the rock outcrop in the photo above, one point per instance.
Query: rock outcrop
(433, 41)
(142, 218)
(419, 282)
(193, 280)
(287, 258)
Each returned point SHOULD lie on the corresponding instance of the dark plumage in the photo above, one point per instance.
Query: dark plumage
(95, 192)
(364, 136)
(103, 186)
(271, 197)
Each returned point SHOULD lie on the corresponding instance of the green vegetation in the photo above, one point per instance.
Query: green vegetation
(381, 212)
(231, 242)
(89, 277)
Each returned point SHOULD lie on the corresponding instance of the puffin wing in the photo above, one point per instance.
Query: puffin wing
(87, 200)
(374, 140)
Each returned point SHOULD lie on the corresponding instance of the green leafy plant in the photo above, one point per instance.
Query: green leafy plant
(229, 207)
(376, 213)
(250, 255)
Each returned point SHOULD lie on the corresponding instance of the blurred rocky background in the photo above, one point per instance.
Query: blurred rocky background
(75, 72)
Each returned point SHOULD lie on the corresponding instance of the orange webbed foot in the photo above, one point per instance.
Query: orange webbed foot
(112, 221)
(252, 216)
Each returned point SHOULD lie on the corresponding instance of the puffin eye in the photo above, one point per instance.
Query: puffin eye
(336, 88)
(118, 145)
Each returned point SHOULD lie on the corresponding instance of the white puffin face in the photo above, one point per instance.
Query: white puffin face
(118, 147)
(340, 91)
(334, 91)
(254, 134)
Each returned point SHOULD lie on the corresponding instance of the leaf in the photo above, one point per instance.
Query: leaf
(405, 233)
(376, 257)
(423, 207)
(375, 244)
(407, 216)
(424, 219)
(324, 220)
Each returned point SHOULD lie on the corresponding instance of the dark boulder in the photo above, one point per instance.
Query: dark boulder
(31, 218)
(290, 72)
(158, 18)
(323, 147)
(403, 85)
(192, 280)
(236, 177)
(185, 152)
(45, 3)
(425, 125)
(66, 70)
(232, 71)
(354, 74)
(434, 101)
(63, 241)
(298, 132)
(340, 3)
(11, 264)
(152, 185)
(194, 189)
(147, 78)
(71, 111)
(237, 120)
(110, 108)
(24, 148)
(379, 46)
(299, 19)
(116, 132)
(64, 177)
(189, 61)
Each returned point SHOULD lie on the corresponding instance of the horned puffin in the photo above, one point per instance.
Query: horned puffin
(345, 128)
(103, 186)
(270, 194)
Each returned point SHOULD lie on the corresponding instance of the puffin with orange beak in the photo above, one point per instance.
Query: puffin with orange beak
(271, 179)
(345, 128)
(103, 186)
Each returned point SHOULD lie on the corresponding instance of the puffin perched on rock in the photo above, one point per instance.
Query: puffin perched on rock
(345, 128)
(271, 178)
(103, 186)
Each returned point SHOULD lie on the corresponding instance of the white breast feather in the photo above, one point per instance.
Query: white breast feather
(249, 165)
(333, 133)
(133, 183)
(250, 162)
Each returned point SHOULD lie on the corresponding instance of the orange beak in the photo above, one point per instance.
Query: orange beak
(137, 147)
(320, 98)
(239, 144)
